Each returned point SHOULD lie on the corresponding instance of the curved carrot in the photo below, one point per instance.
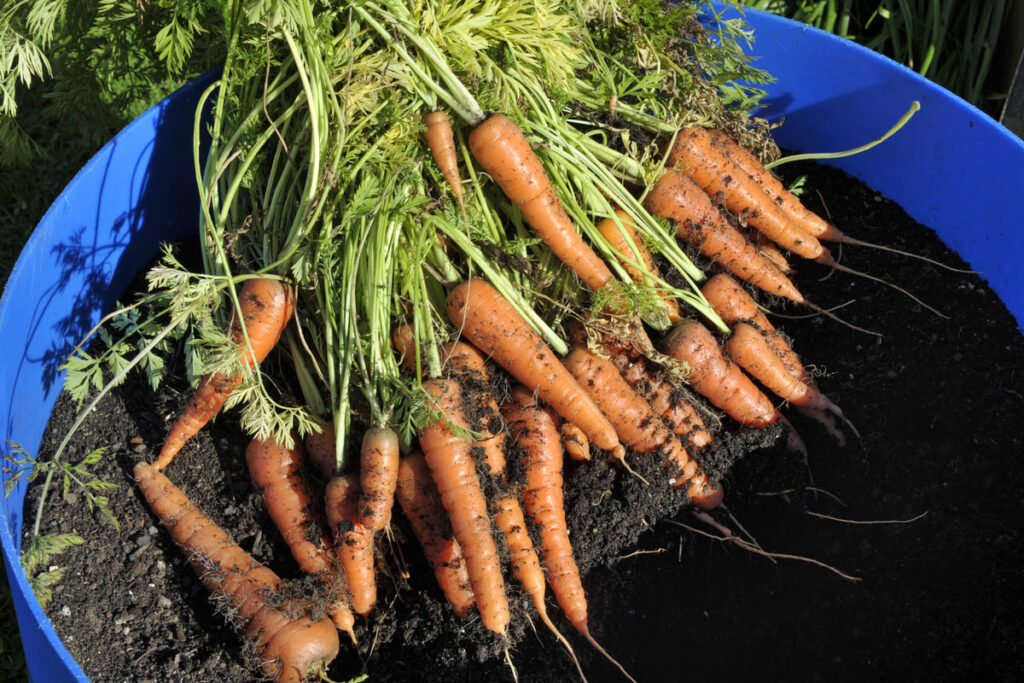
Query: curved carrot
(610, 229)
(421, 503)
(378, 469)
(266, 305)
(637, 425)
(534, 428)
(807, 220)
(502, 150)
(441, 141)
(716, 378)
(321, 448)
(277, 472)
(695, 154)
(493, 326)
(450, 459)
(700, 224)
(353, 541)
(290, 643)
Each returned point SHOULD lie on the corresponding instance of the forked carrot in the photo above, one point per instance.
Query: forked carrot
(447, 448)
(277, 472)
(378, 469)
(292, 646)
(353, 541)
(533, 427)
(266, 305)
(480, 313)
(677, 198)
(502, 150)
(637, 425)
(421, 503)
(441, 142)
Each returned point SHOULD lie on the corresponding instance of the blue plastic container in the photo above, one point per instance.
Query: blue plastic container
(952, 168)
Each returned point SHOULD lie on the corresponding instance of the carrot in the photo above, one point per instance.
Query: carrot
(676, 197)
(403, 341)
(421, 503)
(466, 364)
(494, 327)
(807, 220)
(695, 154)
(291, 644)
(716, 378)
(751, 351)
(637, 425)
(677, 413)
(353, 540)
(534, 428)
(502, 150)
(321, 448)
(441, 141)
(610, 229)
(378, 469)
(266, 307)
(449, 457)
(277, 472)
(574, 441)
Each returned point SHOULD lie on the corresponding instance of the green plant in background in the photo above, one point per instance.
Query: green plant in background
(948, 41)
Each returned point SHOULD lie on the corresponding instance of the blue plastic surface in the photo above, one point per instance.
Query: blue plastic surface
(952, 168)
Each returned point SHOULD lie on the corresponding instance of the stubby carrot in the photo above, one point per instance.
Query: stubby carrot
(378, 470)
(677, 198)
(421, 503)
(353, 541)
(502, 150)
(321, 448)
(484, 317)
(266, 306)
(447, 447)
(292, 646)
(441, 142)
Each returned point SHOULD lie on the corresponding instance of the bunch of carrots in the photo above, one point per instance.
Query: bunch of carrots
(404, 269)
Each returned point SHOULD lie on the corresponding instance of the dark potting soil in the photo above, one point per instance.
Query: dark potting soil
(923, 511)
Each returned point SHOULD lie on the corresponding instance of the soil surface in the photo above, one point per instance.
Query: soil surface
(923, 510)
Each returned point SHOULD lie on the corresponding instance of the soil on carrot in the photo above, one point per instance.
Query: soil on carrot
(923, 511)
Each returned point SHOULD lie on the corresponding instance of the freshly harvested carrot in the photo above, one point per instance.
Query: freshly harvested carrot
(637, 425)
(266, 306)
(378, 469)
(695, 154)
(493, 326)
(677, 413)
(421, 503)
(466, 364)
(449, 456)
(765, 247)
(716, 378)
(321, 448)
(675, 197)
(574, 441)
(502, 150)
(752, 352)
(277, 472)
(292, 646)
(353, 540)
(533, 426)
(610, 229)
(441, 141)
(403, 341)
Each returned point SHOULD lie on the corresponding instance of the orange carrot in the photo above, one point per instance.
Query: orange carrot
(403, 341)
(500, 147)
(752, 352)
(418, 497)
(450, 459)
(493, 326)
(695, 154)
(533, 427)
(700, 224)
(809, 222)
(637, 425)
(292, 646)
(574, 441)
(353, 541)
(266, 306)
(277, 472)
(441, 141)
(378, 469)
(611, 232)
(321, 448)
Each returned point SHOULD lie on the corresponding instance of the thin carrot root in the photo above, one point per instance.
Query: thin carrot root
(441, 141)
